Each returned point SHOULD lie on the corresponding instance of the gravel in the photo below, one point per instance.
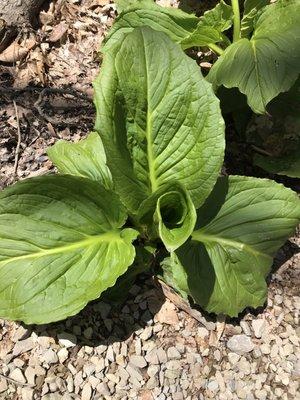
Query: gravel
(253, 358)
(147, 349)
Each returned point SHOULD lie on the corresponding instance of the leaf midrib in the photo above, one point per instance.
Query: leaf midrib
(90, 241)
(150, 153)
(209, 238)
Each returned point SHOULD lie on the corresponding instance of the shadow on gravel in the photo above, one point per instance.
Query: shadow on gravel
(101, 323)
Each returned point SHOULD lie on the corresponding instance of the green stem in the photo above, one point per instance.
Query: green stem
(214, 47)
(236, 20)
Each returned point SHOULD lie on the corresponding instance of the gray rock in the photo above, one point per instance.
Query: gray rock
(240, 344)
(67, 339)
(213, 386)
(102, 308)
(88, 333)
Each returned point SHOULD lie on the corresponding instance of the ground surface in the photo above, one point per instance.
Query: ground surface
(148, 348)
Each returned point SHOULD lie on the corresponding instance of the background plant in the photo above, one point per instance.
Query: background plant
(259, 55)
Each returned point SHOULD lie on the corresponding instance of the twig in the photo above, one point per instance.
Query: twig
(15, 382)
(261, 151)
(17, 153)
(180, 303)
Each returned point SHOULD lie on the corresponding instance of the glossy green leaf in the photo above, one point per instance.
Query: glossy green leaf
(123, 4)
(181, 27)
(175, 275)
(85, 158)
(177, 24)
(119, 292)
(251, 8)
(172, 213)
(282, 139)
(240, 227)
(288, 164)
(210, 26)
(158, 118)
(269, 62)
(60, 247)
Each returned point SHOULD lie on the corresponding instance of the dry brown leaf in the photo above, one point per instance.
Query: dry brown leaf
(15, 52)
(58, 32)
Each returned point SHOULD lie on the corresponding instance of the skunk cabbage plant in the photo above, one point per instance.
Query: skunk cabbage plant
(148, 176)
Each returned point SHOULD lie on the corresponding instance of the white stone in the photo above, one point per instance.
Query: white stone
(258, 326)
(147, 333)
(3, 385)
(240, 344)
(50, 357)
(63, 355)
(30, 374)
(173, 353)
(23, 346)
(86, 392)
(202, 332)
(66, 339)
(246, 328)
(17, 375)
(20, 334)
(27, 393)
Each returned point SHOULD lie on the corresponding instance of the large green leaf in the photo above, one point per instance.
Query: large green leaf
(288, 164)
(269, 62)
(278, 134)
(240, 227)
(251, 8)
(172, 213)
(177, 24)
(123, 4)
(181, 27)
(85, 158)
(210, 26)
(60, 247)
(158, 118)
